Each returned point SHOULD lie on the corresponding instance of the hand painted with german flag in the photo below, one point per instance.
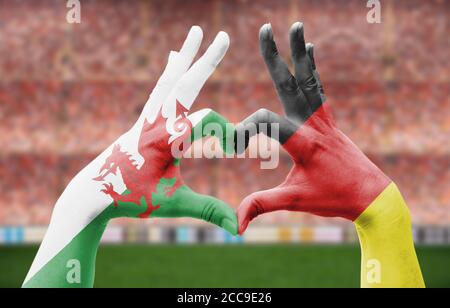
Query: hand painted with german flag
(330, 176)
(138, 175)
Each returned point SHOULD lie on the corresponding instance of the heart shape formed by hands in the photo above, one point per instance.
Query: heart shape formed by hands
(139, 174)
(331, 177)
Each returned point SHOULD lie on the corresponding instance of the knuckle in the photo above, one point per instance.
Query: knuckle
(289, 85)
(309, 83)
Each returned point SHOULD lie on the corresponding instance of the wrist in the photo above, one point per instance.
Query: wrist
(72, 239)
(72, 266)
(385, 234)
(385, 212)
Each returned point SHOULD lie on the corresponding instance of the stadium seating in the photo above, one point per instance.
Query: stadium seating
(67, 91)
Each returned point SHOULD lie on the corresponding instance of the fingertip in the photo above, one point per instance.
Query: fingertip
(196, 28)
(242, 214)
(296, 26)
(297, 30)
(242, 227)
(223, 38)
(219, 48)
(297, 40)
(310, 51)
(192, 42)
(266, 33)
(196, 31)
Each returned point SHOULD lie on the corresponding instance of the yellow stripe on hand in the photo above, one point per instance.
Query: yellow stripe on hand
(389, 259)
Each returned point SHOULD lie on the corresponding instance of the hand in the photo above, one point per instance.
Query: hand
(137, 176)
(331, 177)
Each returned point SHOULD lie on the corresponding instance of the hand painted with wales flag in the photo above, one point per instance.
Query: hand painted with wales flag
(330, 176)
(138, 175)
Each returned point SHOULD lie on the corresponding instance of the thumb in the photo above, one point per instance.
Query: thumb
(188, 203)
(279, 198)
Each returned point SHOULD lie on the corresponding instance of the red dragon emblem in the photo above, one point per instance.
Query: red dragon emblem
(159, 163)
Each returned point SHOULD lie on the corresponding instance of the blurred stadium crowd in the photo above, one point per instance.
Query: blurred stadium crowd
(68, 91)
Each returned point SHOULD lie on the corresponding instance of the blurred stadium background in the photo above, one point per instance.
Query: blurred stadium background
(67, 91)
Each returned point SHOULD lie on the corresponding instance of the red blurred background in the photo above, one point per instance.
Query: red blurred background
(67, 91)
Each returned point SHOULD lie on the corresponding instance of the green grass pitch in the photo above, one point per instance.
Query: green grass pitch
(226, 266)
